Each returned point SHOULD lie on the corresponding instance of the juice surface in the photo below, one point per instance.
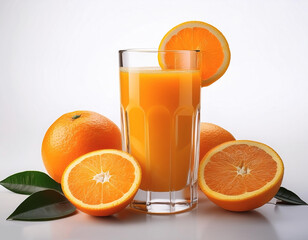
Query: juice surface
(160, 116)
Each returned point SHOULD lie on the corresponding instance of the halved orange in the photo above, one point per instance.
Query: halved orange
(196, 35)
(102, 182)
(240, 175)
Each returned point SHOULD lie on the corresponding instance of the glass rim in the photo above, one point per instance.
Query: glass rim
(153, 50)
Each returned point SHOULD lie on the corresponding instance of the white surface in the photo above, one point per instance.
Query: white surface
(59, 56)
(208, 221)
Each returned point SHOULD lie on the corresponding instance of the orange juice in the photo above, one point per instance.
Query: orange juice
(160, 117)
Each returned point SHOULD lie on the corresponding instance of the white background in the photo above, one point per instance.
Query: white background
(60, 56)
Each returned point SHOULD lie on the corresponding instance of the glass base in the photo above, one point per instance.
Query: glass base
(165, 202)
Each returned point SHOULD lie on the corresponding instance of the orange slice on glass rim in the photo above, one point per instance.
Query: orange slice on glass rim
(102, 182)
(196, 35)
(240, 175)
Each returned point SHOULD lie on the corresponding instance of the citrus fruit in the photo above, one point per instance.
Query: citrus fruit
(196, 35)
(102, 182)
(240, 175)
(73, 135)
(212, 135)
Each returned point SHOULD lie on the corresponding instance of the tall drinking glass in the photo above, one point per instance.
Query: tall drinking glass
(160, 111)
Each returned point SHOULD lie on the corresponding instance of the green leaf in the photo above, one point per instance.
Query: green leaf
(43, 205)
(29, 182)
(288, 197)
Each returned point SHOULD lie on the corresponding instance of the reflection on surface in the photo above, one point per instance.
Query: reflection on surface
(222, 224)
(206, 222)
(128, 224)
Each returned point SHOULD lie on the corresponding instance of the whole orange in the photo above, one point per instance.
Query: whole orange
(212, 135)
(75, 134)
